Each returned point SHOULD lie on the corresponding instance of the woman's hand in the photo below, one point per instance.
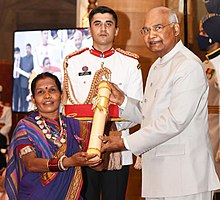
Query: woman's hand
(81, 159)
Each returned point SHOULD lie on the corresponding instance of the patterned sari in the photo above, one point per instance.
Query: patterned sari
(21, 184)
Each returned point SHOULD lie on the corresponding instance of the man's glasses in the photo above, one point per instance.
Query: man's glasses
(156, 28)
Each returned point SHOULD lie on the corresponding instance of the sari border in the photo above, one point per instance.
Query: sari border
(75, 185)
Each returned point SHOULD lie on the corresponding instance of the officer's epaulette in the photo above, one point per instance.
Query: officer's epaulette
(127, 53)
(76, 52)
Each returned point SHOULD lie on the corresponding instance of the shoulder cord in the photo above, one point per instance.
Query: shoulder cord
(103, 71)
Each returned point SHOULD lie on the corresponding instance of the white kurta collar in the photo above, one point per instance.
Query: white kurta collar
(169, 55)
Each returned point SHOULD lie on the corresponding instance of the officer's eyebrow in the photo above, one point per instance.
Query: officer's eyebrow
(108, 21)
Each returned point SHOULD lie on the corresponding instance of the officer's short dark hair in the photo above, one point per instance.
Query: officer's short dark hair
(102, 10)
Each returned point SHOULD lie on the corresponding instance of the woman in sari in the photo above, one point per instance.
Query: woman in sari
(45, 152)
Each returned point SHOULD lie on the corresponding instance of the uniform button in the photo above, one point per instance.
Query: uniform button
(84, 82)
(151, 84)
(145, 100)
(143, 117)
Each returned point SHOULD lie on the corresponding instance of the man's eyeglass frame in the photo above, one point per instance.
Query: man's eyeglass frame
(156, 28)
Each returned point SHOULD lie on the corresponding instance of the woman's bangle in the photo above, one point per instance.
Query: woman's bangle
(60, 164)
(52, 165)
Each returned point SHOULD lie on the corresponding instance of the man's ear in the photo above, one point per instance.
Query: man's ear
(116, 31)
(177, 29)
(89, 31)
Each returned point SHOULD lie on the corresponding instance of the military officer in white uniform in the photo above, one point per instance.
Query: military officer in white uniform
(124, 69)
(209, 41)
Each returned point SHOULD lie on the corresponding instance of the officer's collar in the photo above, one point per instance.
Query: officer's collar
(100, 54)
(213, 54)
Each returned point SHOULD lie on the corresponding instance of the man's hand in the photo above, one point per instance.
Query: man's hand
(117, 96)
(112, 143)
(217, 156)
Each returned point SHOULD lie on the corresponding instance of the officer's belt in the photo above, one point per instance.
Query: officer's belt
(214, 109)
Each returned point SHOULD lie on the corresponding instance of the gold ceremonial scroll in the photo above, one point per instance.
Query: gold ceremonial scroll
(99, 118)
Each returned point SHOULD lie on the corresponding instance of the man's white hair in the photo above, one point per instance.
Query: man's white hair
(173, 18)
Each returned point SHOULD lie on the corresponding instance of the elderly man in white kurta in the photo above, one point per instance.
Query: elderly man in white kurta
(177, 160)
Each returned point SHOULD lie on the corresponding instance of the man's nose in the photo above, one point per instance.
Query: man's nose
(151, 33)
(103, 26)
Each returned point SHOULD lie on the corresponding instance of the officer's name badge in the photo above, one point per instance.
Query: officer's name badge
(85, 71)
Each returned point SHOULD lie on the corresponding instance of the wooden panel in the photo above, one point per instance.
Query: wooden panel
(6, 80)
(131, 5)
(134, 184)
(49, 20)
(129, 32)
